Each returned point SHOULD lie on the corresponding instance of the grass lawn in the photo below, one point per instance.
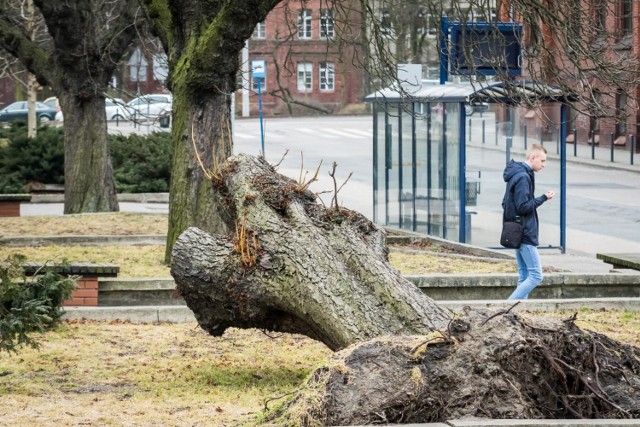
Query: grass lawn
(147, 260)
(115, 374)
(118, 373)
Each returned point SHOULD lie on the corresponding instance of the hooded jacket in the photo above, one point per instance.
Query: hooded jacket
(519, 199)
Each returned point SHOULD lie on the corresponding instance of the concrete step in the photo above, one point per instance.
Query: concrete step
(440, 287)
(182, 313)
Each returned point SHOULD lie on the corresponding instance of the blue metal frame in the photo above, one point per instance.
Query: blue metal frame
(462, 180)
(505, 28)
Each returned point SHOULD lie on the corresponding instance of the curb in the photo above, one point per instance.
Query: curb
(182, 314)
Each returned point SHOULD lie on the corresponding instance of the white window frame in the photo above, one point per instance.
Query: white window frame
(254, 84)
(137, 67)
(327, 77)
(327, 30)
(305, 77)
(304, 23)
(260, 32)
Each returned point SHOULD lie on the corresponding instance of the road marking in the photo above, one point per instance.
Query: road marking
(316, 133)
(245, 135)
(362, 132)
(345, 134)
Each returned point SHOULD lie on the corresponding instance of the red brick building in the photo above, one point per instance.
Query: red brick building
(310, 56)
(612, 29)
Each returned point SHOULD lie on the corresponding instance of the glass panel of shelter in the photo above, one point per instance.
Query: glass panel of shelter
(416, 163)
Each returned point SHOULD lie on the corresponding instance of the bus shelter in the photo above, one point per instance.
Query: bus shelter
(436, 168)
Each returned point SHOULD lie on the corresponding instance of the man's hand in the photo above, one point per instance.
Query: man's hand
(549, 195)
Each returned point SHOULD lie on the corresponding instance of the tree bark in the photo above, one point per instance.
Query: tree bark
(76, 52)
(293, 266)
(203, 41)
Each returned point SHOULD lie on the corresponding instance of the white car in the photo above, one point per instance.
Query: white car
(150, 107)
(115, 109)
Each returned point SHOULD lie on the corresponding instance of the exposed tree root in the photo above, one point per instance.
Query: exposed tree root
(509, 367)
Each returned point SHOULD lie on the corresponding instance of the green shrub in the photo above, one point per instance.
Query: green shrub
(28, 305)
(23, 159)
(141, 163)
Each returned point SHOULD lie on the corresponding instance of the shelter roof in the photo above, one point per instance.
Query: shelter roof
(514, 92)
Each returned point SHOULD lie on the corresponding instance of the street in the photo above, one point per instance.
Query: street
(603, 202)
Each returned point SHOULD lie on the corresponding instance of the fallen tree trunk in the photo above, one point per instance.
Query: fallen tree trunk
(295, 266)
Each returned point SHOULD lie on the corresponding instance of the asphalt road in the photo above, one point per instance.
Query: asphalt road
(603, 199)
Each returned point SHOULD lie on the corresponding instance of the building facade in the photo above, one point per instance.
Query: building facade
(309, 57)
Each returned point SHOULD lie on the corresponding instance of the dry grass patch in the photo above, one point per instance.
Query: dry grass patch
(117, 223)
(133, 260)
(114, 374)
(430, 263)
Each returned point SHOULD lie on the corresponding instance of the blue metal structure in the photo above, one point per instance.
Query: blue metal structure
(419, 153)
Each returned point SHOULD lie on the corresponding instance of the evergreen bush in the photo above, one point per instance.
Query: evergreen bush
(23, 160)
(141, 163)
(28, 305)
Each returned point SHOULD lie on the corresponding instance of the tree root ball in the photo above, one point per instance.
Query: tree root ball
(486, 365)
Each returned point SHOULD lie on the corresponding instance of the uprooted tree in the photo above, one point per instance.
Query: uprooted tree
(293, 265)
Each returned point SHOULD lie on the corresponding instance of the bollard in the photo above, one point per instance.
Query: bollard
(633, 147)
(612, 139)
(525, 137)
(483, 127)
(575, 142)
(593, 145)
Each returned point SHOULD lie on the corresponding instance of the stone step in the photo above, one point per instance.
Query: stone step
(161, 291)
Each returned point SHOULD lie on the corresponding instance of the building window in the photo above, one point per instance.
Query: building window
(594, 121)
(255, 81)
(326, 24)
(327, 76)
(601, 14)
(138, 67)
(626, 17)
(304, 24)
(385, 22)
(260, 32)
(621, 110)
(305, 76)
(160, 67)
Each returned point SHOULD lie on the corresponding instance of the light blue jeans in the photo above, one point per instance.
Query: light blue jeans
(529, 271)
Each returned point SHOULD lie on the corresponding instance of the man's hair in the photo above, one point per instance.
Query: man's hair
(535, 149)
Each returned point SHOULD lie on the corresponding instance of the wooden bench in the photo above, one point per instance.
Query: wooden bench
(622, 260)
(86, 294)
(10, 204)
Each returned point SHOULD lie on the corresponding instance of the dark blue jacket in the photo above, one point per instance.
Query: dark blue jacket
(519, 199)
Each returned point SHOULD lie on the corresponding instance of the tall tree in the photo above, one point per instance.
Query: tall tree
(203, 41)
(84, 40)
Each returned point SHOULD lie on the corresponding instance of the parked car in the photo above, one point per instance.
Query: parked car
(52, 102)
(152, 106)
(115, 108)
(476, 108)
(20, 109)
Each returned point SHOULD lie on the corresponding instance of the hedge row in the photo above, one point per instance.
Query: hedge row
(141, 163)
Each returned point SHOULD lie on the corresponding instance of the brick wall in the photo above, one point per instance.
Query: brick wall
(282, 50)
(9, 208)
(86, 294)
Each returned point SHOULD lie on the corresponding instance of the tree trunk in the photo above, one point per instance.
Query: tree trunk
(292, 265)
(79, 44)
(203, 41)
(88, 174)
(201, 143)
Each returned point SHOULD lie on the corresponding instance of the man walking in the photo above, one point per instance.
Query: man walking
(519, 201)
